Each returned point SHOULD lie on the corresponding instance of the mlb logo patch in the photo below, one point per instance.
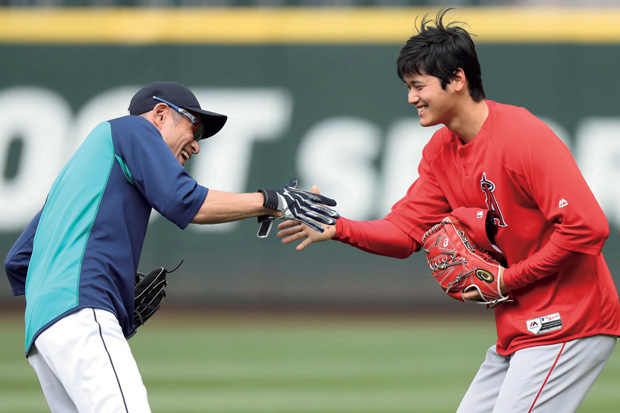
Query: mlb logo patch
(544, 324)
(480, 214)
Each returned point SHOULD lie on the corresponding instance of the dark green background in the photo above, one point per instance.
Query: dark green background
(566, 83)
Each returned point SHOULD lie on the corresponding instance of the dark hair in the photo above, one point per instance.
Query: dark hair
(439, 50)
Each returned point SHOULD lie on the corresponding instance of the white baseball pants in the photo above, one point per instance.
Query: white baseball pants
(84, 364)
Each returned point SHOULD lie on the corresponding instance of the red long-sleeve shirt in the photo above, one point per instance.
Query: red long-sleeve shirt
(548, 225)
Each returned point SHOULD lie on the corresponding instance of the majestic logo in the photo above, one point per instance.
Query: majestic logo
(563, 202)
(484, 275)
(488, 188)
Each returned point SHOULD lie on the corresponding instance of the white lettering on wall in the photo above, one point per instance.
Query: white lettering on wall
(110, 104)
(366, 169)
(403, 152)
(254, 115)
(339, 155)
(41, 119)
(598, 149)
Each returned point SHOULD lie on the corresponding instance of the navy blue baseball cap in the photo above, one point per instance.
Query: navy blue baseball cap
(179, 95)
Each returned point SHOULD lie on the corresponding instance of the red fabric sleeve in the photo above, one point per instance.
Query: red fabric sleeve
(380, 237)
(423, 206)
(561, 192)
(547, 261)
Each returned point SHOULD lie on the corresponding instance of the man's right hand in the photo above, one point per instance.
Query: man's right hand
(309, 208)
(291, 231)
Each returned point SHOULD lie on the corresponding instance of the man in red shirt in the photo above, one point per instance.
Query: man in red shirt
(507, 176)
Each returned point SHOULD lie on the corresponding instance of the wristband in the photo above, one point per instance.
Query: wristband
(270, 198)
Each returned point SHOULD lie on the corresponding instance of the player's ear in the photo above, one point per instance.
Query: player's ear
(159, 114)
(459, 79)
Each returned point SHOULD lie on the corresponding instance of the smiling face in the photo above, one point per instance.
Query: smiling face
(178, 134)
(434, 104)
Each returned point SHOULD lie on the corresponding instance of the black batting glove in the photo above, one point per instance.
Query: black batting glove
(303, 206)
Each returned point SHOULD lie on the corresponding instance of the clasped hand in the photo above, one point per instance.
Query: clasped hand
(309, 208)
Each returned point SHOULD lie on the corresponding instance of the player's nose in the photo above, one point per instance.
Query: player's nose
(412, 96)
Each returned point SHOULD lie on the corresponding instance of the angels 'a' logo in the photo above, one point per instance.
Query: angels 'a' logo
(488, 188)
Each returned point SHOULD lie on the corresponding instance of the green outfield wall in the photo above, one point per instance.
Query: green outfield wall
(309, 94)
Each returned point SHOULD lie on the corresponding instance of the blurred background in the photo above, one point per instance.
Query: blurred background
(311, 91)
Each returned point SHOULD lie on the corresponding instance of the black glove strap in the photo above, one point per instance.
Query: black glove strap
(271, 198)
(175, 268)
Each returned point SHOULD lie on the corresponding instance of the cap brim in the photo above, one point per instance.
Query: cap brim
(211, 121)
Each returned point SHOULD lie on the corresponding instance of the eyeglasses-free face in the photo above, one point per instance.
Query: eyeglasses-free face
(197, 127)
